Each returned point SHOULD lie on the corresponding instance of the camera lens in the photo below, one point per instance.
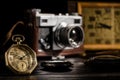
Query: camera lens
(75, 36)
(69, 36)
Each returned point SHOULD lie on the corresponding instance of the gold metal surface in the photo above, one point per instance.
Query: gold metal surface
(20, 58)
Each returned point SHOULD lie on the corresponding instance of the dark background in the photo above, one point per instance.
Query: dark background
(15, 10)
(51, 6)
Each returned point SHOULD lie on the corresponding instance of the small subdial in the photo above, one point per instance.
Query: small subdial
(22, 66)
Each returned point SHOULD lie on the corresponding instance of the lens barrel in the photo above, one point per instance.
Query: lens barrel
(69, 36)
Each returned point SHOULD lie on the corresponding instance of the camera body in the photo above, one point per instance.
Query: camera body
(58, 33)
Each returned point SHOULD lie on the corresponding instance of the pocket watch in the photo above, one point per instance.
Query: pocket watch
(20, 58)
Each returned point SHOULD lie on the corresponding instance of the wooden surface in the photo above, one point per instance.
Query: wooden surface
(101, 47)
(79, 71)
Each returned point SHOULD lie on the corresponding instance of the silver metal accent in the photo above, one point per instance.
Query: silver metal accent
(53, 22)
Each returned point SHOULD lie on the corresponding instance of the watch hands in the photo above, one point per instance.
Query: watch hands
(22, 57)
(104, 25)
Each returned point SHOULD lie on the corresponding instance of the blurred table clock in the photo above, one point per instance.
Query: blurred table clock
(101, 25)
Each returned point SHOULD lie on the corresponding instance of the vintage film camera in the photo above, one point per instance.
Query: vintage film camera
(58, 34)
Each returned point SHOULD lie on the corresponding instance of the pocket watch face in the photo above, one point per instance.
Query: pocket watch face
(21, 59)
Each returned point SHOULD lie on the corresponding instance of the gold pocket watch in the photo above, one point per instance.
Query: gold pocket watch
(20, 58)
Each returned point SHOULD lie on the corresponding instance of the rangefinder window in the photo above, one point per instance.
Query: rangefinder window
(77, 21)
(44, 20)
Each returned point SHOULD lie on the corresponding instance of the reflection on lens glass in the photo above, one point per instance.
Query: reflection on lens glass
(76, 36)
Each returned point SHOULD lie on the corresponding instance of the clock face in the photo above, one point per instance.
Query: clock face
(21, 59)
(117, 25)
(101, 25)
